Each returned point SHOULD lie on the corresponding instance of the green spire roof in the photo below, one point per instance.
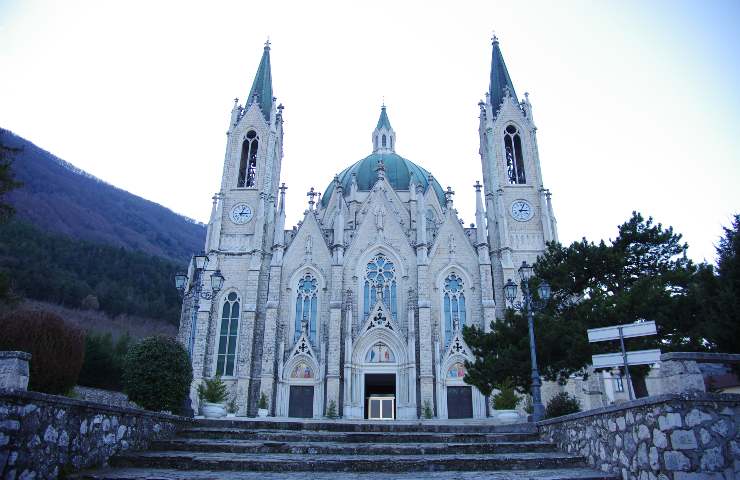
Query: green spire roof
(499, 77)
(383, 120)
(262, 85)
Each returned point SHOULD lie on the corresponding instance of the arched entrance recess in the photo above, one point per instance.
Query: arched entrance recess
(379, 364)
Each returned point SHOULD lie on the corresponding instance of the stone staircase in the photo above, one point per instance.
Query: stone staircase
(256, 449)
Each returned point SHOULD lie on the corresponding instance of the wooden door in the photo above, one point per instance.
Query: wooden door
(301, 401)
(459, 402)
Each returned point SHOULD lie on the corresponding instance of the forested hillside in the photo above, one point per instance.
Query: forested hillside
(56, 196)
(81, 274)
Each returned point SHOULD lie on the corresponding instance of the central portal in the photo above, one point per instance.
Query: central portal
(380, 396)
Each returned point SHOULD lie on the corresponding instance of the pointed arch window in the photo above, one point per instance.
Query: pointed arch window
(380, 279)
(514, 156)
(248, 163)
(453, 305)
(382, 140)
(306, 307)
(226, 356)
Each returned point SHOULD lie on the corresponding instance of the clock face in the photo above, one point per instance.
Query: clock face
(241, 213)
(521, 210)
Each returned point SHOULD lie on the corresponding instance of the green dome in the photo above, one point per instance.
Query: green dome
(398, 172)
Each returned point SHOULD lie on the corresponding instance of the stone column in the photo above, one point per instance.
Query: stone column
(267, 377)
(333, 352)
(426, 361)
(14, 370)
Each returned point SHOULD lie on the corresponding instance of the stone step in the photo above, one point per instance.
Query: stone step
(163, 474)
(438, 426)
(219, 433)
(339, 463)
(331, 448)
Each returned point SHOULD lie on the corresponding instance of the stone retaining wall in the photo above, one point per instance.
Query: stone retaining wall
(45, 436)
(668, 437)
(106, 397)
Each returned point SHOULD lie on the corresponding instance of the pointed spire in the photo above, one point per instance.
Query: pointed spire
(261, 91)
(500, 79)
(384, 138)
(383, 120)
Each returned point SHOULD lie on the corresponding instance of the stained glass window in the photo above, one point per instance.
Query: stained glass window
(380, 353)
(305, 306)
(380, 277)
(226, 355)
(453, 305)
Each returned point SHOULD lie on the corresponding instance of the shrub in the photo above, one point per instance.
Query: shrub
(231, 406)
(103, 365)
(262, 403)
(427, 411)
(212, 390)
(506, 399)
(57, 349)
(157, 374)
(331, 410)
(562, 404)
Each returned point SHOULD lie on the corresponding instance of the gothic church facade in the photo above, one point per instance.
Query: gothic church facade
(359, 308)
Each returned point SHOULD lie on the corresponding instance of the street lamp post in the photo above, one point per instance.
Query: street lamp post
(194, 294)
(529, 305)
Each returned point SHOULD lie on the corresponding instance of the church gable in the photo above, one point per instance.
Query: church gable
(308, 246)
(452, 241)
(379, 220)
(380, 317)
(303, 347)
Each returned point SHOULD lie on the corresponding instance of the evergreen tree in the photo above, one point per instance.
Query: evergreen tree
(723, 331)
(643, 274)
(7, 183)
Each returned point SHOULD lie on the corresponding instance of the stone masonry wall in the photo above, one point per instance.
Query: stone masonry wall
(668, 437)
(45, 436)
(106, 397)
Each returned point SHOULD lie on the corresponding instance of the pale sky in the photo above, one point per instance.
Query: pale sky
(637, 103)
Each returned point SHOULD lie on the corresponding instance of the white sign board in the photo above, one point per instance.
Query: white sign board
(629, 330)
(640, 357)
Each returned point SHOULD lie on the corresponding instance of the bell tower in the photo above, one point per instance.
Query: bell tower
(246, 202)
(518, 207)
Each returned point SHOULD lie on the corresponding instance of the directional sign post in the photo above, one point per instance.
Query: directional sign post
(630, 330)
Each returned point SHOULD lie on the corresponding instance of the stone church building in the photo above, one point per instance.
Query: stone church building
(360, 307)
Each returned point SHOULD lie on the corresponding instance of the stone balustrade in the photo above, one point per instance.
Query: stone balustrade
(666, 437)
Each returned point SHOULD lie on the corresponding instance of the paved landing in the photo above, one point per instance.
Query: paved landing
(146, 474)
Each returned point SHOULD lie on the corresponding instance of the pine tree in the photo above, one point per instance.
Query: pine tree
(643, 274)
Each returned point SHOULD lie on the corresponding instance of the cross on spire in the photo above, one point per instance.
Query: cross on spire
(477, 186)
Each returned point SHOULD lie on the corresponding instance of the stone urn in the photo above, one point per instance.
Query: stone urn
(262, 412)
(213, 410)
(506, 416)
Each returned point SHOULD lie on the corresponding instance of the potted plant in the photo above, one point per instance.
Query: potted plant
(212, 393)
(504, 404)
(331, 410)
(262, 405)
(231, 408)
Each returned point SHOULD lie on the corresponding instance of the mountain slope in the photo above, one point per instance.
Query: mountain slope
(58, 197)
